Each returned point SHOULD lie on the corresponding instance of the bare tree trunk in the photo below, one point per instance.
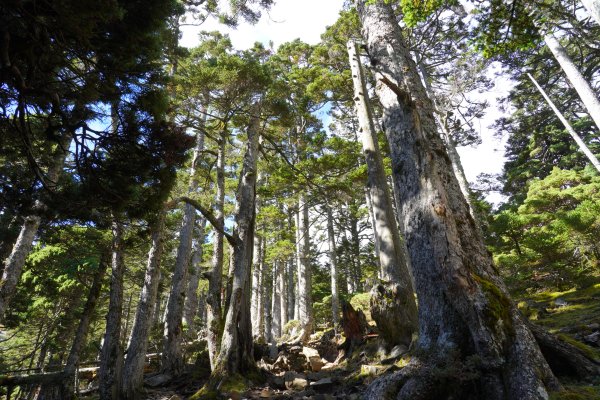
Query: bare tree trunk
(582, 146)
(298, 265)
(190, 307)
(268, 293)
(213, 310)
(133, 370)
(356, 265)
(172, 354)
(277, 294)
(376, 244)
(291, 292)
(586, 93)
(236, 353)
(335, 296)
(464, 308)
(111, 356)
(304, 273)
(13, 265)
(283, 294)
(256, 310)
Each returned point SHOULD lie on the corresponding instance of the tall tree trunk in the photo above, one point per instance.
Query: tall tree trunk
(283, 294)
(291, 292)
(111, 356)
(305, 313)
(582, 146)
(133, 370)
(356, 265)
(257, 278)
(13, 265)
(172, 354)
(464, 308)
(593, 8)
(214, 319)
(335, 296)
(276, 298)
(376, 239)
(267, 294)
(236, 353)
(583, 88)
(298, 263)
(190, 307)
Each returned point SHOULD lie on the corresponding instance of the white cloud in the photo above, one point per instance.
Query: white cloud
(286, 21)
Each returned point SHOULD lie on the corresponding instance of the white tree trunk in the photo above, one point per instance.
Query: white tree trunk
(172, 354)
(375, 235)
(276, 299)
(305, 314)
(291, 292)
(13, 265)
(111, 356)
(593, 8)
(283, 294)
(335, 296)
(235, 354)
(133, 370)
(582, 146)
(190, 307)
(586, 93)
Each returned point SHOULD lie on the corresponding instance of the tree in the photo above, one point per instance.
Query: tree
(468, 300)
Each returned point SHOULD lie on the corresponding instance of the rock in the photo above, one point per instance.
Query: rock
(316, 363)
(593, 339)
(157, 380)
(322, 385)
(293, 380)
(310, 352)
(266, 393)
(175, 397)
(328, 367)
(397, 352)
(372, 370)
(315, 376)
(234, 395)
(277, 381)
(389, 312)
(295, 349)
(594, 326)
(560, 302)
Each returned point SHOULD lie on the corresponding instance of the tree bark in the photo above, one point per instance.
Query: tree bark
(305, 314)
(583, 88)
(111, 356)
(214, 318)
(236, 353)
(13, 265)
(335, 296)
(393, 257)
(464, 307)
(190, 307)
(593, 8)
(291, 292)
(133, 370)
(172, 354)
(376, 244)
(582, 146)
(257, 280)
(277, 294)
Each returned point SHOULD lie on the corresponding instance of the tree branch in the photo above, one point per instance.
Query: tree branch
(210, 217)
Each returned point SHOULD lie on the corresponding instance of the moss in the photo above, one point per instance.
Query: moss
(587, 350)
(206, 394)
(498, 307)
(362, 302)
(233, 383)
(577, 393)
(290, 326)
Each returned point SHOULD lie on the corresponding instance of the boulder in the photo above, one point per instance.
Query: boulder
(295, 381)
(322, 385)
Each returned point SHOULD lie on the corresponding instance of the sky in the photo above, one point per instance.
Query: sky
(307, 20)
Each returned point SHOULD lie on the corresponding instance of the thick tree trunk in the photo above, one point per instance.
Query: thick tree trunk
(298, 262)
(214, 318)
(582, 146)
(13, 265)
(111, 356)
(133, 370)
(190, 307)
(583, 88)
(236, 353)
(593, 8)
(392, 249)
(335, 296)
(172, 354)
(277, 294)
(465, 311)
(305, 314)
